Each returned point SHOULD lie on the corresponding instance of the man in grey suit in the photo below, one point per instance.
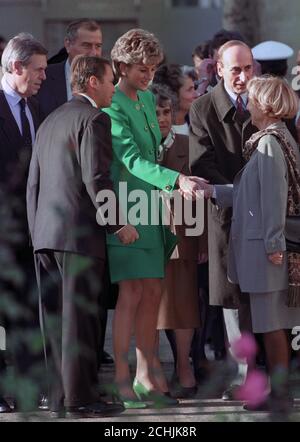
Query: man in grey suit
(220, 125)
(70, 165)
(83, 37)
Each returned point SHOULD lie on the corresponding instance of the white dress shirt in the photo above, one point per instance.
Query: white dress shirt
(68, 80)
(233, 96)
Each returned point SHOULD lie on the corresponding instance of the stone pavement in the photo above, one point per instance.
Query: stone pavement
(205, 407)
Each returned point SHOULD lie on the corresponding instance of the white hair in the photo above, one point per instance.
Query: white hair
(21, 48)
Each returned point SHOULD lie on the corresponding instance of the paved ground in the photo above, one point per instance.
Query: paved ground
(205, 407)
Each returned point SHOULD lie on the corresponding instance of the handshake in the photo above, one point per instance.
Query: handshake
(192, 187)
(189, 187)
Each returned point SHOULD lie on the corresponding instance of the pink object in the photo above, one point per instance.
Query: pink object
(245, 347)
(255, 389)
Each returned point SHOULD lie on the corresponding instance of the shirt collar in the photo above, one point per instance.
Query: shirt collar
(93, 103)
(12, 96)
(233, 96)
(68, 79)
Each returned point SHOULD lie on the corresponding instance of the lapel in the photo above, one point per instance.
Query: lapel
(33, 107)
(248, 130)
(8, 123)
(227, 113)
(223, 105)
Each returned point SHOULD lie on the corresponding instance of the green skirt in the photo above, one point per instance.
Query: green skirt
(127, 263)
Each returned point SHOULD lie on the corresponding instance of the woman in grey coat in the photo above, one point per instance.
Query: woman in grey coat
(263, 194)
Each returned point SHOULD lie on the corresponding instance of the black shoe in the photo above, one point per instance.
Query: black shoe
(98, 409)
(43, 403)
(4, 407)
(229, 393)
(185, 392)
(106, 358)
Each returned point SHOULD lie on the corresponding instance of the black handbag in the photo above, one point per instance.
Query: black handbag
(292, 234)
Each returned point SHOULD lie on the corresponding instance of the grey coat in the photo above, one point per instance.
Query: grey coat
(216, 139)
(259, 199)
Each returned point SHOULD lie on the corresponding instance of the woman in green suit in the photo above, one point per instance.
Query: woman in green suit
(140, 266)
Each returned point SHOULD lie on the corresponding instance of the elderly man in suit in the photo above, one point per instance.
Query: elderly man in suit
(220, 124)
(83, 37)
(24, 63)
(70, 165)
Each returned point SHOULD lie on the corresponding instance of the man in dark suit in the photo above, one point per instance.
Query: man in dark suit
(24, 63)
(83, 37)
(220, 125)
(70, 165)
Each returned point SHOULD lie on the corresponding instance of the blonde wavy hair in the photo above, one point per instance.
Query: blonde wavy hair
(273, 96)
(136, 46)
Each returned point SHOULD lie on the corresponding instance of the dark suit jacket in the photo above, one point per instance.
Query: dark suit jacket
(69, 166)
(53, 91)
(14, 160)
(216, 141)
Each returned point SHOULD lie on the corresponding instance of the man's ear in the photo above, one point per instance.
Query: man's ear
(93, 81)
(67, 44)
(18, 67)
(220, 69)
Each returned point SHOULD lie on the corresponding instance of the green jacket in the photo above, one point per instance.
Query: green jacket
(136, 137)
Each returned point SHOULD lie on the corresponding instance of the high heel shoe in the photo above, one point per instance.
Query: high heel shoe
(127, 403)
(160, 400)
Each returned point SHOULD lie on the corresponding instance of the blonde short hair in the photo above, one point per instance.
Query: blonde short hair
(136, 46)
(273, 96)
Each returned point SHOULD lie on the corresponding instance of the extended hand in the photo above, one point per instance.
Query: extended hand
(128, 234)
(190, 187)
(194, 187)
(276, 258)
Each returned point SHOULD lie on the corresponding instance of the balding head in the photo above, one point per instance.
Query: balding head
(235, 65)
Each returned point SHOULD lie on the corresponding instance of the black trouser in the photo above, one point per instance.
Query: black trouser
(70, 319)
(20, 318)
(211, 321)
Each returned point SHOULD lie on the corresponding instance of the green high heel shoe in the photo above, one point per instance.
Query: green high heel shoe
(160, 400)
(127, 403)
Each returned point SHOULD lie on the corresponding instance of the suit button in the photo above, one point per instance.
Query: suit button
(168, 187)
(146, 128)
(138, 107)
(152, 125)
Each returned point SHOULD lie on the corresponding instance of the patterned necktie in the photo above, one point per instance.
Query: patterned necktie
(26, 133)
(240, 106)
(241, 113)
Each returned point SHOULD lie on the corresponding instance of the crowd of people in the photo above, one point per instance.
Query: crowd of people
(224, 130)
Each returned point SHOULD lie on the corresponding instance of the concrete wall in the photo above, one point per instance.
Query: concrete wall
(21, 16)
(179, 29)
